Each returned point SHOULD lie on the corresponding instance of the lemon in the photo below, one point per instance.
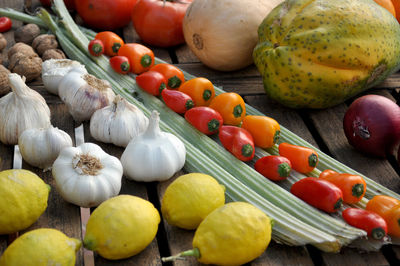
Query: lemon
(43, 246)
(233, 234)
(121, 227)
(23, 197)
(190, 198)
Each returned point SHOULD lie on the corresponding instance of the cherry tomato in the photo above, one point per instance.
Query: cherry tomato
(112, 42)
(265, 130)
(120, 64)
(368, 221)
(105, 14)
(205, 119)
(237, 141)
(151, 82)
(200, 89)
(5, 24)
(178, 101)
(70, 4)
(389, 208)
(392, 219)
(174, 75)
(159, 22)
(140, 57)
(273, 167)
(353, 186)
(96, 47)
(231, 106)
(303, 159)
(319, 193)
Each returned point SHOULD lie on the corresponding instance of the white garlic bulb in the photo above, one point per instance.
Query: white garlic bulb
(84, 94)
(118, 123)
(21, 109)
(40, 147)
(53, 70)
(154, 155)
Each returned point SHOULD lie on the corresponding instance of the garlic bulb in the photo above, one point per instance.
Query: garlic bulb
(21, 109)
(118, 123)
(86, 175)
(40, 147)
(53, 70)
(84, 94)
(153, 155)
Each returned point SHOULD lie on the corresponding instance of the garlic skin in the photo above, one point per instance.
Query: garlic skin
(53, 70)
(153, 155)
(118, 123)
(40, 147)
(84, 94)
(86, 175)
(21, 109)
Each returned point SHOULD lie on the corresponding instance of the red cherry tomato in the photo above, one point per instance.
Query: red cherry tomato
(178, 101)
(319, 193)
(273, 167)
(159, 22)
(96, 47)
(105, 14)
(369, 221)
(151, 82)
(5, 24)
(205, 119)
(237, 141)
(120, 64)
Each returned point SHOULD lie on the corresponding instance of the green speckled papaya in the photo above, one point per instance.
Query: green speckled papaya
(316, 54)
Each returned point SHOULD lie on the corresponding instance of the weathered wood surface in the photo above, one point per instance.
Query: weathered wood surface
(322, 128)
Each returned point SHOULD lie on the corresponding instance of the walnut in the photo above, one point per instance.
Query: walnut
(21, 47)
(4, 83)
(26, 33)
(3, 42)
(29, 66)
(44, 42)
(53, 54)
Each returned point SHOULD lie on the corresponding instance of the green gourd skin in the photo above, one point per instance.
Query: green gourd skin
(316, 54)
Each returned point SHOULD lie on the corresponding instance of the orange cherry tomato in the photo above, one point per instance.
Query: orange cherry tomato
(112, 42)
(303, 159)
(172, 74)
(389, 208)
(201, 90)
(265, 130)
(140, 57)
(231, 106)
(393, 221)
(352, 186)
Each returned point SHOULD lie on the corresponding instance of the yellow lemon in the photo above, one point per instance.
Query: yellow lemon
(121, 227)
(23, 197)
(190, 198)
(39, 247)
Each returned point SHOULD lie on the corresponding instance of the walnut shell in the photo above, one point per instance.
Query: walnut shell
(4, 83)
(53, 54)
(44, 42)
(29, 66)
(21, 47)
(27, 33)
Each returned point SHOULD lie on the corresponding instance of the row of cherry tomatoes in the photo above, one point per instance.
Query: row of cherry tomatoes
(225, 115)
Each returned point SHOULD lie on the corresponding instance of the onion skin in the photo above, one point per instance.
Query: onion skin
(372, 125)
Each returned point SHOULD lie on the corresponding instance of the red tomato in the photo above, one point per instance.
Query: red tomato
(105, 14)
(237, 141)
(369, 221)
(5, 24)
(273, 167)
(205, 119)
(96, 47)
(178, 101)
(159, 22)
(151, 82)
(319, 193)
(120, 64)
(69, 3)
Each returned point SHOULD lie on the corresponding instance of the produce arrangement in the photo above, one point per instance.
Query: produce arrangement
(249, 179)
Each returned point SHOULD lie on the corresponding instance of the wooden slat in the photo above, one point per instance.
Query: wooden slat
(6, 156)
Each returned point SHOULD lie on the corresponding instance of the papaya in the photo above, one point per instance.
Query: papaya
(317, 54)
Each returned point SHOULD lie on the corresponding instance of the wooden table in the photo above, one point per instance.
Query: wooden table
(322, 128)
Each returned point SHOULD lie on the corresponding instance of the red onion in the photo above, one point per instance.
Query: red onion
(372, 125)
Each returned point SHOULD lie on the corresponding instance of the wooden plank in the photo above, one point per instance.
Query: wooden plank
(6, 158)
(149, 256)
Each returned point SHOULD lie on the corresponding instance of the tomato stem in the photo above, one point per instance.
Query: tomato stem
(207, 95)
(237, 110)
(284, 169)
(125, 66)
(378, 233)
(174, 82)
(247, 150)
(312, 160)
(189, 104)
(338, 204)
(116, 47)
(162, 87)
(213, 125)
(357, 190)
(276, 136)
(146, 60)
